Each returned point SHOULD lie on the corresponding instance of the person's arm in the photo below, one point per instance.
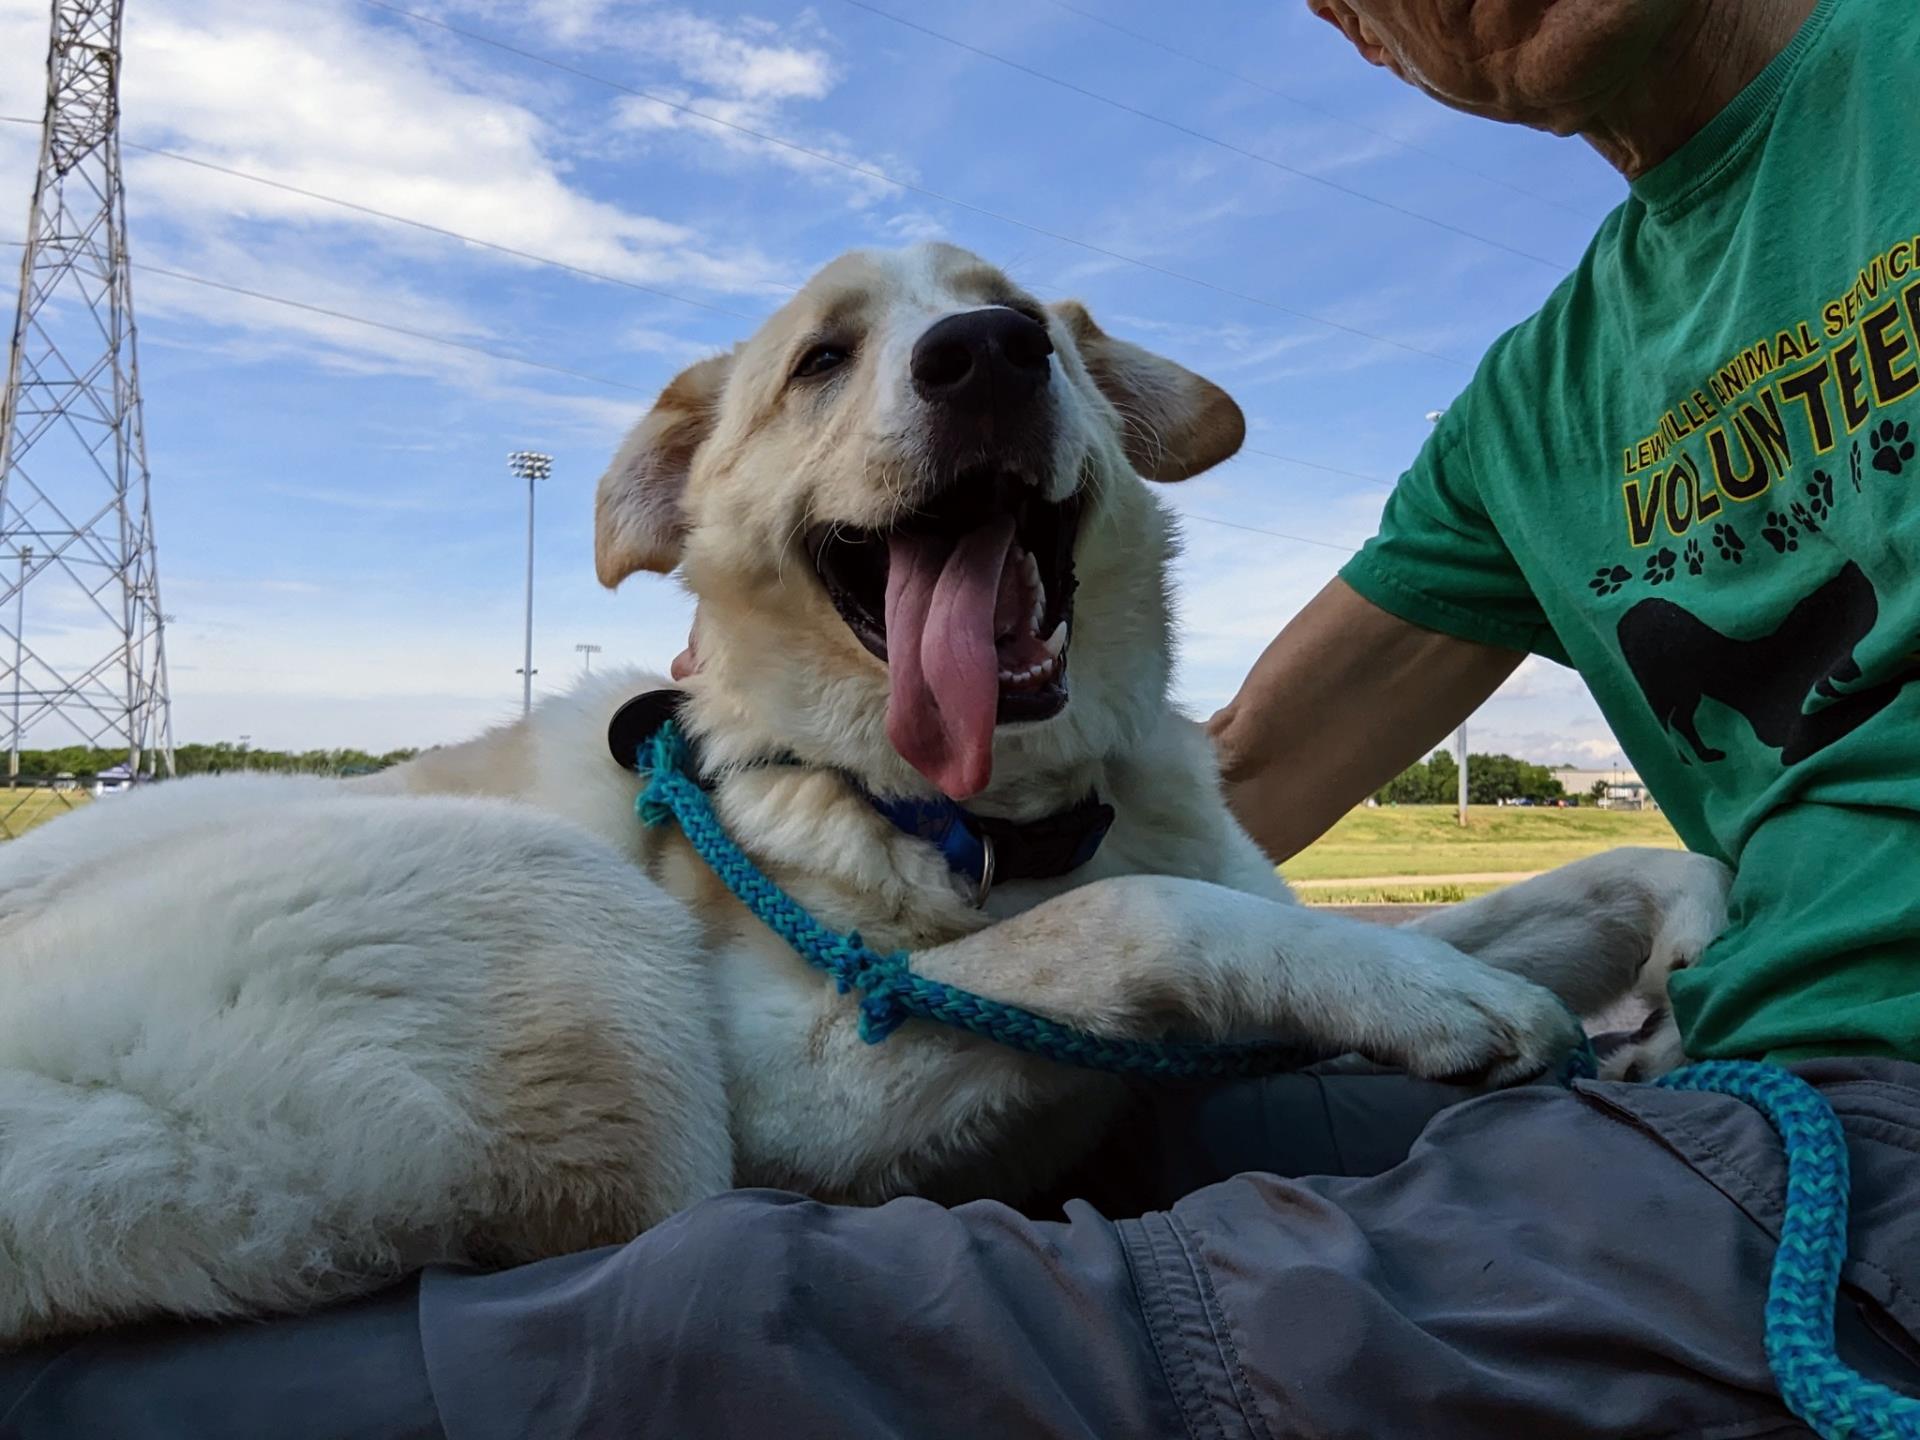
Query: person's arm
(1346, 698)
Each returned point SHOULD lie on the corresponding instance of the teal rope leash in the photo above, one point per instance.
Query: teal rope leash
(1839, 1403)
(1804, 1289)
(890, 993)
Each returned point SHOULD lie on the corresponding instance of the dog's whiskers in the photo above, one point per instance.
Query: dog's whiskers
(1139, 424)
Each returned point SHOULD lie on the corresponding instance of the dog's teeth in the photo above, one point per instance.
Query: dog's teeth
(1032, 676)
(1057, 641)
(1036, 587)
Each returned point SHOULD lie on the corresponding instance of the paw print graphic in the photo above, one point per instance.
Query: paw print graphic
(1727, 541)
(1853, 467)
(1696, 557)
(1891, 447)
(1820, 494)
(1608, 579)
(1660, 567)
(1804, 518)
(1780, 532)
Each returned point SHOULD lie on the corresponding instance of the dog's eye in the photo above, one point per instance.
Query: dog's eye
(820, 359)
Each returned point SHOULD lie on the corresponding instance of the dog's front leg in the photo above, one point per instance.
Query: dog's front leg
(1598, 929)
(1152, 956)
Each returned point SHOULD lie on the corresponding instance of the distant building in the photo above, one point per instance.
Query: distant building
(1625, 790)
(1630, 796)
(1580, 780)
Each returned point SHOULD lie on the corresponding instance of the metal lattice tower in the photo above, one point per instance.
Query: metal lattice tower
(82, 637)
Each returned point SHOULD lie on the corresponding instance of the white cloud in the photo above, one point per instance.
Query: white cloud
(910, 227)
(745, 60)
(736, 137)
(716, 81)
(747, 57)
(318, 97)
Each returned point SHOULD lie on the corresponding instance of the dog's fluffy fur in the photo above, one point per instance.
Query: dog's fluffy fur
(268, 1042)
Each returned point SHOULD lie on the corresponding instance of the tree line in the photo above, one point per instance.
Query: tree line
(1491, 779)
(222, 757)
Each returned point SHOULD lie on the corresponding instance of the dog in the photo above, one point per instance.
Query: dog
(1679, 660)
(271, 1042)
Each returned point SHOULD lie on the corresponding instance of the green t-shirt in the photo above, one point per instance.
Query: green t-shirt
(1694, 477)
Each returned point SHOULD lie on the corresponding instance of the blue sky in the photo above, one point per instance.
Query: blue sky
(340, 543)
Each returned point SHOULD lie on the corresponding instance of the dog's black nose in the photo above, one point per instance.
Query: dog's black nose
(982, 360)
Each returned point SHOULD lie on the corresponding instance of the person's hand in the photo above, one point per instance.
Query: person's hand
(686, 662)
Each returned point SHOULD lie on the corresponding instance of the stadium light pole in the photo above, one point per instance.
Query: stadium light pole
(529, 465)
(587, 652)
(1460, 735)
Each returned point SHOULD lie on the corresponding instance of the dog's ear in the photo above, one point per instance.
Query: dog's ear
(638, 514)
(1176, 424)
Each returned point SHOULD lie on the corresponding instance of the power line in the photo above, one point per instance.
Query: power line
(910, 187)
(584, 375)
(1259, 157)
(1318, 465)
(1243, 78)
(513, 359)
(1276, 534)
(425, 335)
(430, 228)
(558, 264)
(442, 230)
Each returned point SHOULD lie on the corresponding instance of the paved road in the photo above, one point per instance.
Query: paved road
(1381, 914)
(1376, 882)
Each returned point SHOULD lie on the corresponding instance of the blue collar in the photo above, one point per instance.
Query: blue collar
(985, 850)
(980, 849)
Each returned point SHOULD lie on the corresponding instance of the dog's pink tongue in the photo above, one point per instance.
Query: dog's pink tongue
(945, 677)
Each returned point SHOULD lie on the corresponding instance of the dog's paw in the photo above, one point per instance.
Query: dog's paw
(1650, 1052)
(1690, 893)
(1452, 1018)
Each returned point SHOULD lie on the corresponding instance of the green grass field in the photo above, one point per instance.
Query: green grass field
(1429, 859)
(21, 810)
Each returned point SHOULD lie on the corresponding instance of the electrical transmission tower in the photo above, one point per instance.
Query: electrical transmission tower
(82, 638)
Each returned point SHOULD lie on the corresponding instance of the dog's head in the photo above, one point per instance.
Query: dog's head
(910, 508)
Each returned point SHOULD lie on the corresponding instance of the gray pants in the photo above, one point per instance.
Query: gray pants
(1535, 1263)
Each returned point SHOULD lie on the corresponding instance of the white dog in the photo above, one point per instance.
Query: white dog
(267, 1042)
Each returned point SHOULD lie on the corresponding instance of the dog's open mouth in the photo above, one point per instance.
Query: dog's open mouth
(969, 601)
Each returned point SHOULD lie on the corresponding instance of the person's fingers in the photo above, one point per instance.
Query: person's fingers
(1339, 15)
(1359, 33)
(688, 660)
